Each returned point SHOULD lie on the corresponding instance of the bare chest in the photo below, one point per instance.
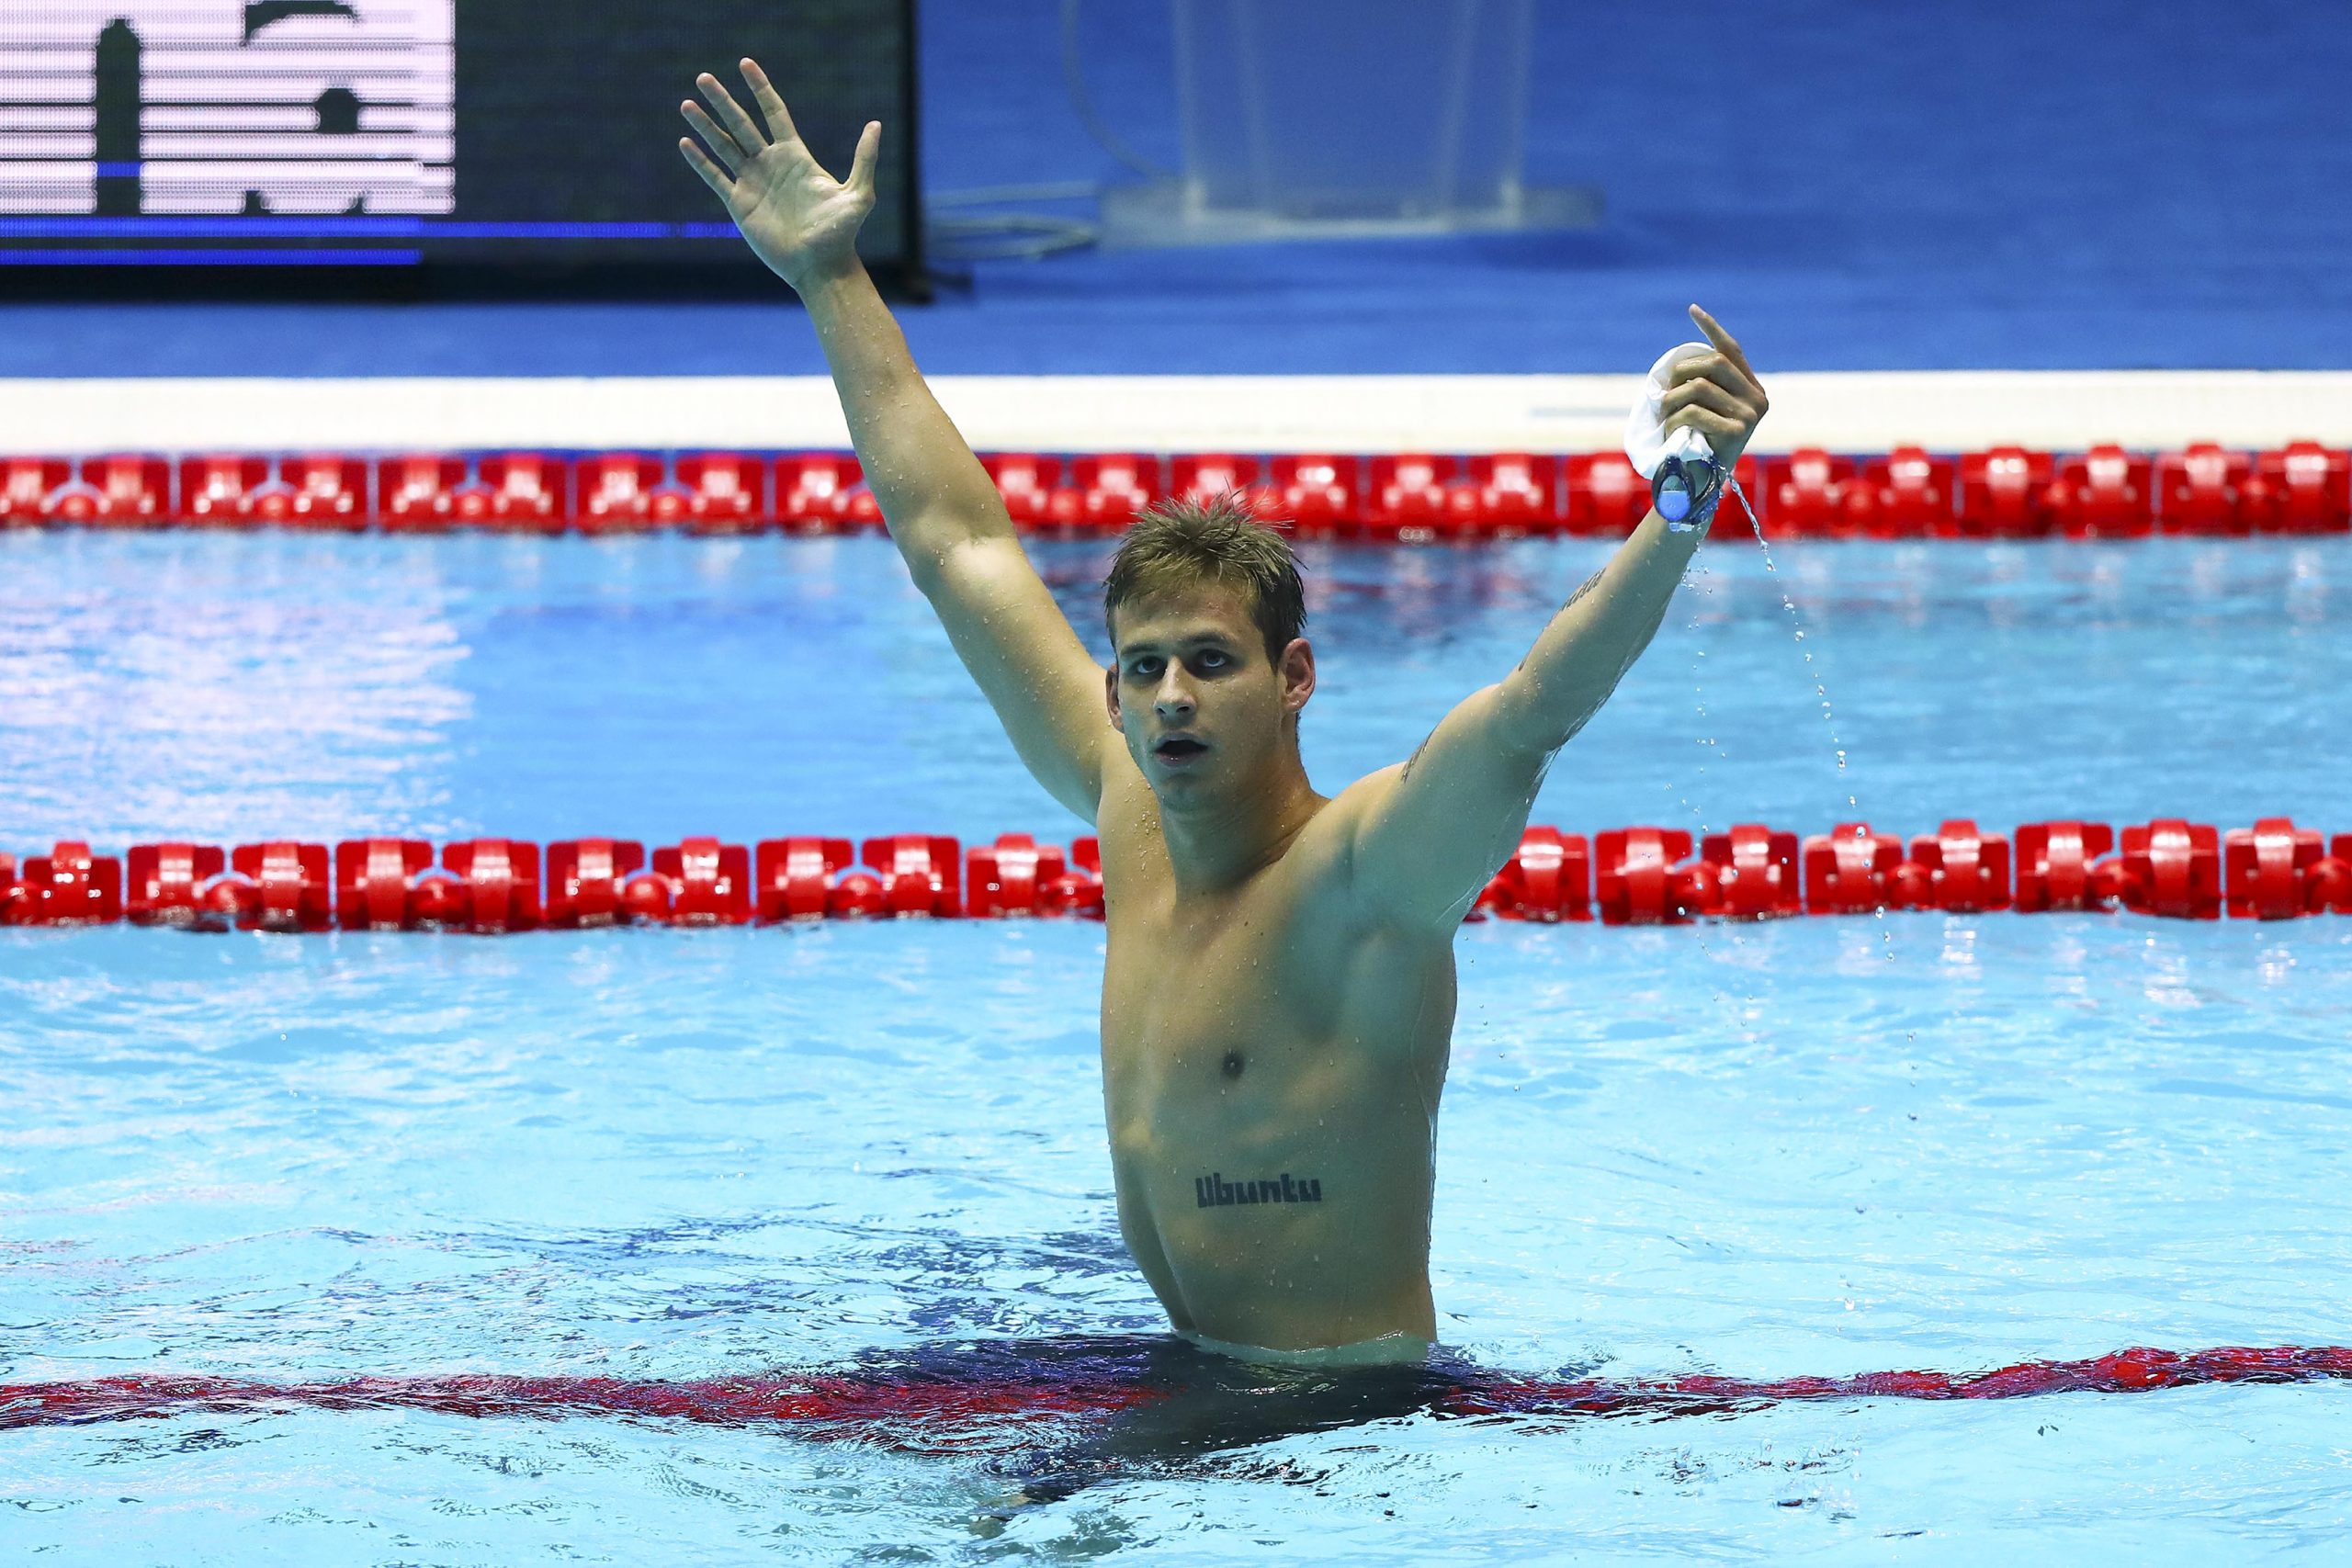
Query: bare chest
(1271, 1073)
(1199, 1002)
(1248, 1025)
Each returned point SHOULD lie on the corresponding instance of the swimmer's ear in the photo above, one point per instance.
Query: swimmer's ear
(1296, 667)
(1111, 700)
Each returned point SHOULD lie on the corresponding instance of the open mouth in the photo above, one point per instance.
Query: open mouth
(1178, 748)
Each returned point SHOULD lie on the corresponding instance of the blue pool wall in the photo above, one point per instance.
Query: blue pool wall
(2085, 185)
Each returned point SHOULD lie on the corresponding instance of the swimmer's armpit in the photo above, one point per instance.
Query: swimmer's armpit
(1214, 1191)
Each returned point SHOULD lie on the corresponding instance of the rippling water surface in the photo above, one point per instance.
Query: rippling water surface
(1821, 1147)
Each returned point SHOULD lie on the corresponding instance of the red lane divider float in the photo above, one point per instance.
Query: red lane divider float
(923, 1412)
(1637, 876)
(1907, 493)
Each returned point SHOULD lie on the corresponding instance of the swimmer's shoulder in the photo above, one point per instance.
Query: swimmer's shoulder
(1318, 871)
(1339, 833)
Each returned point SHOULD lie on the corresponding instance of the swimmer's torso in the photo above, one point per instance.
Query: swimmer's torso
(1270, 1078)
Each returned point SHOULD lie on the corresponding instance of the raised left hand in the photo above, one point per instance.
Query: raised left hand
(795, 217)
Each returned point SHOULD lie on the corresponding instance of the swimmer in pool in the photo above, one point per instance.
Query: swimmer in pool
(1278, 998)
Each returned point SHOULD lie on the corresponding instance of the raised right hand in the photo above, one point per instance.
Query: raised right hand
(1719, 394)
(797, 218)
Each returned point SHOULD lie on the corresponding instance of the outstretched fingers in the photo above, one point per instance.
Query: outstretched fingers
(780, 127)
(722, 146)
(731, 116)
(712, 174)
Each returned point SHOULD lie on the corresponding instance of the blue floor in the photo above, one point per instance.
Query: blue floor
(2091, 185)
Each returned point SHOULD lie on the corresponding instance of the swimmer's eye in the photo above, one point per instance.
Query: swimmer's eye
(1209, 661)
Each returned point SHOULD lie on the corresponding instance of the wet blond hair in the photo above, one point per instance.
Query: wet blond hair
(1176, 543)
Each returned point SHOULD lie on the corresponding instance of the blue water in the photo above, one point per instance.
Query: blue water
(203, 686)
(1817, 1147)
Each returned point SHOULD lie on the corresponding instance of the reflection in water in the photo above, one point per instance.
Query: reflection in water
(1171, 1405)
(182, 687)
(1056, 1415)
(223, 686)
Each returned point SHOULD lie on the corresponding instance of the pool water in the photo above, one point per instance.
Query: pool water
(1817, 1147)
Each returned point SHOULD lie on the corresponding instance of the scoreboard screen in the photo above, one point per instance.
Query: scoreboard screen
(402, 133)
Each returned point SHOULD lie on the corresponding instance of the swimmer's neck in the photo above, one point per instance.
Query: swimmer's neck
(1217, 845)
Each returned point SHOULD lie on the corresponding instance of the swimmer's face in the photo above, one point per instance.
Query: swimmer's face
(1201, 705)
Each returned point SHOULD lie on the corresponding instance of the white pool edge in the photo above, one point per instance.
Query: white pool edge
(1860, 411)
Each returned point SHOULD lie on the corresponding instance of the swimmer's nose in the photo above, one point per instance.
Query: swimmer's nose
(1172, 701)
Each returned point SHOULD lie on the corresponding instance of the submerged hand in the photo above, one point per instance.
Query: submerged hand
(1716, 394)
(795, 217)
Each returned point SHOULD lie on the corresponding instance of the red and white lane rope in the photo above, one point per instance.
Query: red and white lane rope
(2170, 867)
(1906, 493)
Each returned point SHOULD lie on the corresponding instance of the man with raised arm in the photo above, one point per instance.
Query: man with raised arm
(1278, 998)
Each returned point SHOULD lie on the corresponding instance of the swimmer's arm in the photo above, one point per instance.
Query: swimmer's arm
(950, 523)
(943, 511)
(1427, 836)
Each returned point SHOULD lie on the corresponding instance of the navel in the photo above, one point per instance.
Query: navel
(1233, 1063)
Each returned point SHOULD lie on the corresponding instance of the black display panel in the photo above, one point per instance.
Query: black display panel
(406, 134)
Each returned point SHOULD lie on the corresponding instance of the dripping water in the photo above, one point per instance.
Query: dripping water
(1694, 792)
(1820, 691)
